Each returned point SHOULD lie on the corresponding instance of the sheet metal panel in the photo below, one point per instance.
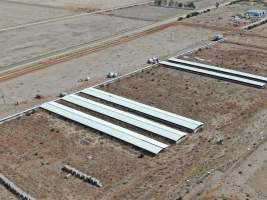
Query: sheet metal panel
(214, 74)
(219, 69)
(129, 118)
(152, 111)
(118, 132)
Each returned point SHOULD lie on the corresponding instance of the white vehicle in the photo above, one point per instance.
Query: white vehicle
(153, 60)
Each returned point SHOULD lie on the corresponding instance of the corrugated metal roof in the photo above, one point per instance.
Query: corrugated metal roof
(214, 74)
(118, 132)
(129, 118)
(256, 11)
(149, 110)
(221, 70)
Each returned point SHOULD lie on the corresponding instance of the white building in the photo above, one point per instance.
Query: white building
(256, 13)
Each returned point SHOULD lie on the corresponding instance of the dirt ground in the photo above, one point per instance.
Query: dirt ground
(148, 13)
(258, 41)
(223, 17)
(34, 147)
(260, 29)
(102, 4)
(234, 56)
(32, 155)
(123, 58)
(41, 152)
(35, 41)
(30, 42)
(82, 4)
(248, 178)
(27, 13)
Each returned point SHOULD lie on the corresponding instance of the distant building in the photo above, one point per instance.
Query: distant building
(256, 13)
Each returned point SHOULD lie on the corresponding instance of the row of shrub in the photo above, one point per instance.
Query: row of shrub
(173, 3)
(236, 1)
(256, 24)
(193, 14)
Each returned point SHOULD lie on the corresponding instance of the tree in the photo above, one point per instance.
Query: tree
(157, 2)
(164, 2)
(191, 5)
(179, 4)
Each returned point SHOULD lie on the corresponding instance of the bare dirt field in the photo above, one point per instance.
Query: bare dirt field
(32, 155)
(248, 178)
(37, 41)
(234, 56)
(124, 58)
(207, 3)
(260, 30)
(27, 13)
(6, 195)
(82, 4)
(30, 42)
(258, 42)
(34, 147)
(224, 17)
(148, 12)
(41, 151)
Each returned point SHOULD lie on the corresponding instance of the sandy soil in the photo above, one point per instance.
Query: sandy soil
(123, 59)
(27, 13)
